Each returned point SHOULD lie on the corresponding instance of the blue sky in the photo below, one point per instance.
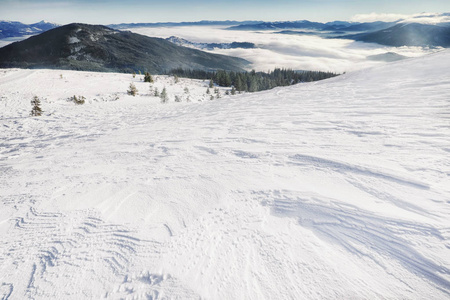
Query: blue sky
(107, 12)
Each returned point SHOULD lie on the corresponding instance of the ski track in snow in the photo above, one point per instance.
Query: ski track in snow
(330, 190)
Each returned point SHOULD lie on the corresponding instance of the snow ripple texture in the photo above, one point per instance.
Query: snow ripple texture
(337, 189)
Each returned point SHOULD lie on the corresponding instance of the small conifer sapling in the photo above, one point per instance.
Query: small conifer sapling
(132, 90)
(36, 109)
(164, 97)
(148, 77)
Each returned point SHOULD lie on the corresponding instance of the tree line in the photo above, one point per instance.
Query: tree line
(253, 81)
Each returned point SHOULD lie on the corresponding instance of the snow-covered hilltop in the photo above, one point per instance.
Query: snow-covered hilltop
(337, 189)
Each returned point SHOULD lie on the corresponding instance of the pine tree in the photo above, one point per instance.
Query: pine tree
(239, 85)
(252, 84)
(132, 90)
(254, 81)
(233, 90)
(156, 94)
(148, 77)
(36, 109)
(163, 96)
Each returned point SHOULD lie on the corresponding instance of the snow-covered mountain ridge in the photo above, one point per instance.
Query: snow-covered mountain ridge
(336, 189)
(16, 29)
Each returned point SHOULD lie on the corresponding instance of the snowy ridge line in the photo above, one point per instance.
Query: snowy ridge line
(337, 166)
(365, 234)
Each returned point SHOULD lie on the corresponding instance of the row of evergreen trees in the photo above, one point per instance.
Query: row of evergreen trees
(254, 81)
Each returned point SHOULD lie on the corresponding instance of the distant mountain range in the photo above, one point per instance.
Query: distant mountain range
(209, 46)
(178, 24)
(78, 54)
(385, 33)
(408, 34)
(280, 25)
(16, 29)
(340, 26)
(99, 48)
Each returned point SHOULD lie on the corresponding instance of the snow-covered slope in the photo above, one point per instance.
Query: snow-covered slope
(330, 190)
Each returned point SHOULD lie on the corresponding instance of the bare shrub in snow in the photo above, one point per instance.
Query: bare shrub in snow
(78, 100)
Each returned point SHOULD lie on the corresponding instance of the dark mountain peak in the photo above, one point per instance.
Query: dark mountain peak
(81, 30)
(99, 48)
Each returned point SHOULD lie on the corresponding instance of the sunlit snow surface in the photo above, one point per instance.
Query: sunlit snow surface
(330, 190)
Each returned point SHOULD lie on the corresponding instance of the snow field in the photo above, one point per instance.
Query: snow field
(330, 190)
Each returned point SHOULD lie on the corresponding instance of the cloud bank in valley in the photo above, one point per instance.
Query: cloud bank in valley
(299, 52)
